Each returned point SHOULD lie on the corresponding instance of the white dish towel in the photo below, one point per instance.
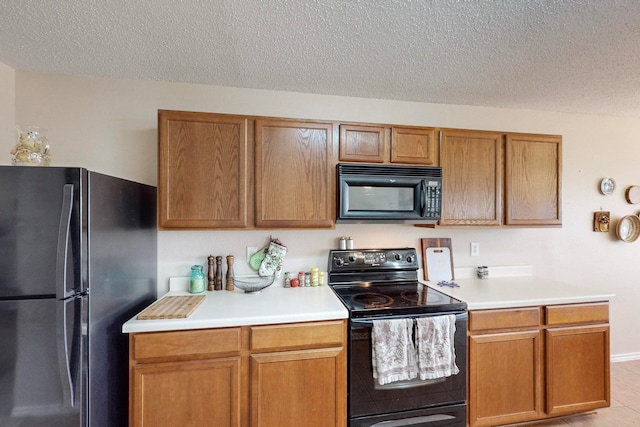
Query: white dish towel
(435, 345)
(393, 353)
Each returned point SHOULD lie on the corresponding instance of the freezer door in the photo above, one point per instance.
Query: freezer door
(34, 223)
(31, 384)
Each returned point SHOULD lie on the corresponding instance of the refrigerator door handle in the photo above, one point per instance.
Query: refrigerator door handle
(62, 251)
(64, 359)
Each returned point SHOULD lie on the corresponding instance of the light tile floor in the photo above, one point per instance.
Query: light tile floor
(625, 402)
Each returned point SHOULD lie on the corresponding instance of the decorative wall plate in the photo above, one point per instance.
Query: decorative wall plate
(633, 194)
(628, 228)
(607, 185)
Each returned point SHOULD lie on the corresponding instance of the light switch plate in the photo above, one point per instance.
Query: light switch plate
(475, 249)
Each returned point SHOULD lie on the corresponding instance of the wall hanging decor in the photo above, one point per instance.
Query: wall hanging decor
(601, 220)
(607, 185)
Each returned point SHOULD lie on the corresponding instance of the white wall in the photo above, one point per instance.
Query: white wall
(7, 111)
(110, 126)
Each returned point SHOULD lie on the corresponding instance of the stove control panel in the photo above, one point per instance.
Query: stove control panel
(373, 259)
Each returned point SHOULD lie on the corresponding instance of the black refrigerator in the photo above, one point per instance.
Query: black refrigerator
(78, 258)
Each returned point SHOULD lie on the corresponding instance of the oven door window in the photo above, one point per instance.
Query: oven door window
(367, 397)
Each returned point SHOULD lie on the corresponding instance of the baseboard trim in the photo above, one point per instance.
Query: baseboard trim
(625, 357)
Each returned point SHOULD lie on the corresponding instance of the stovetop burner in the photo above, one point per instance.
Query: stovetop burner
(371, 300)
(384, 282)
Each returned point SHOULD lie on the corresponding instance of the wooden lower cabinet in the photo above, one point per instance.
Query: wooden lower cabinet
(534, 363)
(505, 378)
(196, 393)
(258, 376)
(296, 385)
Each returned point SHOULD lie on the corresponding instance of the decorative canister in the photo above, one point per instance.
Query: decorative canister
(32, 148)
(196, 280)
(482, 271)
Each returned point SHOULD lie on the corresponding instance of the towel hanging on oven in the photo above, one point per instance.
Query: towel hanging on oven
(435, 346)
(393, 354)
(396, 356)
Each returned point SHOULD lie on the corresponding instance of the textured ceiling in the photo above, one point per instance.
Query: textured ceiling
(578, 56)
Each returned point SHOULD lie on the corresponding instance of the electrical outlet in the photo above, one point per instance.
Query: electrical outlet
(250, 251)
(475, 249)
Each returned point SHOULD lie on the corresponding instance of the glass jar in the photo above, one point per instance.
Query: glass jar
(196, 280)
(32, 148)
(314, 276)
(287, 279)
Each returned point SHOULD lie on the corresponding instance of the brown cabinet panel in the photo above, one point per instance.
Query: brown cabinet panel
(192, 344)
(577, 313)
(202, 164)
(414, 145)
(533, 179)
(294, 178)
(577, 360)
(504, 378)
(203, 393)
(472, 177)
(297, 335)
(307, 385)
(363, 143)
(509, 318)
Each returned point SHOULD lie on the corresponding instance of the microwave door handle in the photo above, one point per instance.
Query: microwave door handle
(423, 201)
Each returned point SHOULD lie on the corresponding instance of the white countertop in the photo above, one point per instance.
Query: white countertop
(275, 304)
(519, 291)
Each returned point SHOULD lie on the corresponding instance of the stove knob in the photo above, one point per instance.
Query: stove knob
(339, 262)
(352, 258)
(410, 259)
(397, 257)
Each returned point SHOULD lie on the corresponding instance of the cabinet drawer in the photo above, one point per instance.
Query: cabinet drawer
(528, 317)
(192, 343)
(298, 335)
(577, 313)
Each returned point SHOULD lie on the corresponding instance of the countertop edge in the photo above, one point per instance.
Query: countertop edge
(521, 291)
(234, 309)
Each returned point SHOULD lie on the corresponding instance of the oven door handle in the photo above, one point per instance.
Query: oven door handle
(414, 420)
(369, 322)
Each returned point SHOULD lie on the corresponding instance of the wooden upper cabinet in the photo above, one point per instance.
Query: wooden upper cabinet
(533, 187)
(363, 143)
(414, 145)
(471, 177)
(294, 177)
(389, 145)
(492, 178)
(202, 179)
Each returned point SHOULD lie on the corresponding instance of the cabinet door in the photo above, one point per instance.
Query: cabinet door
(293, 174)
(533, 194)
(577, 360)
(294, 388)
(202, 179)
(471, 177)
(199, 393)
(504, 378)
(414, 145)
(363, 143)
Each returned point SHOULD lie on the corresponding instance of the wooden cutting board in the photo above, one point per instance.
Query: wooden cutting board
(173, 307)
(437, 259)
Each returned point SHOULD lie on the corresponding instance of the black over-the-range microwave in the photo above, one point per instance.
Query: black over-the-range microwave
(389, 192)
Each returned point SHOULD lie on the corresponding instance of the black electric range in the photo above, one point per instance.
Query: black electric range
(380, 284)
(384, 282)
